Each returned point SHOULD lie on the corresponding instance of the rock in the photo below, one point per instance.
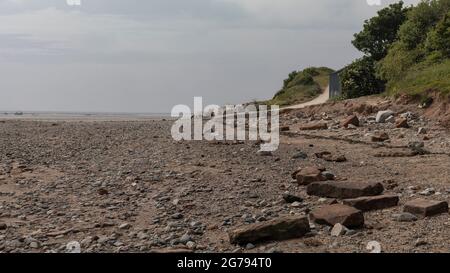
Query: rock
(428, 192)
(308, 175)
(176, 216)
(264, 153)
(351, 120)
(407, 115)
(294, 174)
(404, 217)
(390, 119)
(73, 247)
(315, 126)
(3, 226)
(421, 131)
(300, 155)
(249, 246)
(284, 128)
(185, 239)
(335, 158)
(426, 208)
(374, 247)
(338, 230)
(402, 123)
(344, 189)
(190, 245)
(328, 175)
(279, 229)
(102, 191)
(383, 115)
(420, 242)
(327, 156)
(124, 226)
(289, 198)
(416, 145)
(373, 202)
(338, 214)
(35, 245)
(380, 137)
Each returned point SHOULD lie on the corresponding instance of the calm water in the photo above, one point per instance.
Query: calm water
(67, 116)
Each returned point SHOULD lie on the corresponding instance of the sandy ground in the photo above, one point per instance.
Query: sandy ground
(126, 186)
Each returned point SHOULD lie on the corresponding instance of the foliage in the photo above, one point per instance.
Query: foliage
(301, 86)
(380, 31)
(438, 40)
(359, 79)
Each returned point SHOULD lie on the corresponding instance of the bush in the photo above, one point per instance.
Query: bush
(397, 62)
(291, 77)
(359, 79)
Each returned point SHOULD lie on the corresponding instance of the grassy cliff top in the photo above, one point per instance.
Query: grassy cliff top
(302, 86)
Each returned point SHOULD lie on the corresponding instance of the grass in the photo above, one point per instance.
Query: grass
(421, 80)
(305, 86)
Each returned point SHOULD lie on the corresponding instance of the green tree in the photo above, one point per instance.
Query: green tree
(421, 19)
(421, 38)
(359, 79)
(438, 39)
(381, 31)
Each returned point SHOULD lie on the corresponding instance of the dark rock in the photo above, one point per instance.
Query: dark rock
(338, 214)
(353, 120)
(402, 123)
(278, 229)
(315, 126)
(309, 175)
(380, 137)
(344, 189)
(373, 202)
(426, 208)
(289, 198)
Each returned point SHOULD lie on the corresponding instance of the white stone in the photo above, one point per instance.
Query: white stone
(338, 230)
(374, 247)
(383, 115)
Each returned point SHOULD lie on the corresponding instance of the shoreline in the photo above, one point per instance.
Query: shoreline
(55, 117)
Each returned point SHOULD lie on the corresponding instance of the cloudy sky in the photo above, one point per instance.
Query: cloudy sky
(148, 55)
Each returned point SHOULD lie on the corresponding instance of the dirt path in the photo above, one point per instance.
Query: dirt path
(319, 100)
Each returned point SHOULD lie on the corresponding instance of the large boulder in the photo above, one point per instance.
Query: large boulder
(279, 229)
(344, 189)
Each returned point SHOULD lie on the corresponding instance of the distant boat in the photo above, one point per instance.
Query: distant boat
(18, 113)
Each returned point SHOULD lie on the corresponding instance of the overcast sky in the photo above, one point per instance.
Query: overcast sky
(149, 55)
